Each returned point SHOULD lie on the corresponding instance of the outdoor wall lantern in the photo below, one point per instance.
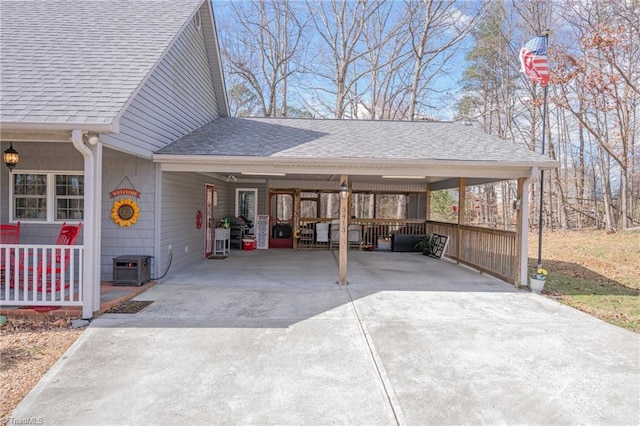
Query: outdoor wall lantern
(10, 157)
(344, 190)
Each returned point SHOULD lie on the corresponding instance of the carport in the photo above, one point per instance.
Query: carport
(349, 157)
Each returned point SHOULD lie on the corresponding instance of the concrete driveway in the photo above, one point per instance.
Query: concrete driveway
(267, 338)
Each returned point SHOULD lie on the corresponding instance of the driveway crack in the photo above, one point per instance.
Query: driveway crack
(377, 362)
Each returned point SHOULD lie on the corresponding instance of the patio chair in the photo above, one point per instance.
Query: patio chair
(334, 230)
(354, 235)
(9, 234)
(322, 232)
(306, 236)
(54, 267)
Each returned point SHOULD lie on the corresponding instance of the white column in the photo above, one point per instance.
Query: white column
(91, 223)
(97, 216)
(524, 231)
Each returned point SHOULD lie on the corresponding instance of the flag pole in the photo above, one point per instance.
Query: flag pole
(544, 134)
(544, 123)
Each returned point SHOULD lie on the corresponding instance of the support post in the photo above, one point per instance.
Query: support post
(91, 223)
(522, 204)
(344, 242)
(427, 204)
(296, 216)
(461, 214)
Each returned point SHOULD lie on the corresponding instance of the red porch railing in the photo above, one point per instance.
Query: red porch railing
(33, 275)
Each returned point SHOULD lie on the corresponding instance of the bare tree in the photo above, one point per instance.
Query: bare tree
(386, 40)
(436, 28)
(608, 101)
(263, 52)
(340, 26)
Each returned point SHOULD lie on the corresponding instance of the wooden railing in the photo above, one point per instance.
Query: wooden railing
(30, 275)
(492, 251)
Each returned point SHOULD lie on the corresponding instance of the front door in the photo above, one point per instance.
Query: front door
(281, 220)
(209, 220)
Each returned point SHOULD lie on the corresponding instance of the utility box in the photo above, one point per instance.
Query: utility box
(131, 270)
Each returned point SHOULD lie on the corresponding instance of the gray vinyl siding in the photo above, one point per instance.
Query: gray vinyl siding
(138, 239)
(39, 157)
(182, 196)
(177, 98)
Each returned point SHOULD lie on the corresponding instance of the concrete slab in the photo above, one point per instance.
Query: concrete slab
(266, 337)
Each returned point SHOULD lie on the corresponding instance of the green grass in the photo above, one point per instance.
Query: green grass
(608, 301)
(594, 272)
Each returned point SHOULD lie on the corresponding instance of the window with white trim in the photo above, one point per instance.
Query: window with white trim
(47, 196)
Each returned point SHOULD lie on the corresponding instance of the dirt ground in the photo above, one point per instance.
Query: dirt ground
(28, 348)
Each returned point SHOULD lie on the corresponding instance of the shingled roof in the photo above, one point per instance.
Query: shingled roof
(344, 139)
(66, 61)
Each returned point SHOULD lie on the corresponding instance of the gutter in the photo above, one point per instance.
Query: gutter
(45, 126)
(228, 161)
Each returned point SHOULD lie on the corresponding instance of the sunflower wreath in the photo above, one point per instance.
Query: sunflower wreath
(125, 212)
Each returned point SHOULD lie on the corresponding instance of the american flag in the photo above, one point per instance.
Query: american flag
(533, 57)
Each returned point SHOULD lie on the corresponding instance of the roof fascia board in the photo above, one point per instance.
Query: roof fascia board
(57, 127)
(215, 64)
(406, 164)
(61, 136)
(348, 166)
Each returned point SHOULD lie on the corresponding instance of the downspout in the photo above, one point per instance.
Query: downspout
(91, 228)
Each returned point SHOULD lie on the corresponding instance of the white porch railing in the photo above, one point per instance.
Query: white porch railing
(41, 275)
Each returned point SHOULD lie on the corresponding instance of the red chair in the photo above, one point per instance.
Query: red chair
(55, 267)
(9, 234)
(68, 234)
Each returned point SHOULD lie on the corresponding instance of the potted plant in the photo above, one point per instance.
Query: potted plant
(537, 281)
(425, 244)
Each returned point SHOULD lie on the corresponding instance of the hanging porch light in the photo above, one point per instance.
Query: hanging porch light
(10, 157)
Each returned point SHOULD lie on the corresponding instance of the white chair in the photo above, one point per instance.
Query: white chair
(335, 232)
(322, 232)
(354, 234)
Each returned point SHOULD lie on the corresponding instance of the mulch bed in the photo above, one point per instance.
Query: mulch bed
(130, 307)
